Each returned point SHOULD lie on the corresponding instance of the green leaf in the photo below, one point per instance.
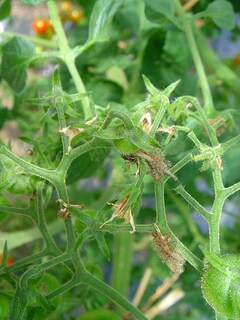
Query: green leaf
(105, 91)
(156, 10)
(101, 19)
(86, 165)
(221, 12)
(33, 2)
(17, 54)
(5, 8)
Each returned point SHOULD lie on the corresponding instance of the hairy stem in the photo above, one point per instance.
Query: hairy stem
(68, 56)
(122, 262)
(113, 295)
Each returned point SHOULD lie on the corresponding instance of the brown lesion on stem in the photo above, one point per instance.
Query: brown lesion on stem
(167, 251)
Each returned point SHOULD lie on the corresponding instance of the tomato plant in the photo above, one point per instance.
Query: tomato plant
(119, 160)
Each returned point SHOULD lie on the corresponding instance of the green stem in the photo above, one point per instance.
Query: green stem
(214, 223)
(210, 130)
(178, 166)
(13, 210)
(117, 114)
(59, 105)
(113, 228)
(231, 190)
(122, 261)
(186, 213)
(161, 221)
(35, 40)
(134, 82)
(46, 55)
(218, 183)
(61, 37)
(80, 86)
(113, 295)
(68, 56)
(123, 244)
(36, 269)
(75, 281)
(74, 153)
(29, 167)
(214, 64)
(187, 25)
(161, 218)
(41, 223)
(230, 144)
(20, 264)
(63, 195)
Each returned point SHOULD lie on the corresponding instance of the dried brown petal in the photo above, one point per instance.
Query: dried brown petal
(146, 121)
(64, 214)
(121, 212)
(156, 163)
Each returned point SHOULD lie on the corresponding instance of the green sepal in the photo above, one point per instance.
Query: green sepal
(150, 87)
(101, 241)
(230, 267)
(222, 13)
(156, 92)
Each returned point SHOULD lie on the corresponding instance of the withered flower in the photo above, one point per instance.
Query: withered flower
(71, 132)
(122, 212)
